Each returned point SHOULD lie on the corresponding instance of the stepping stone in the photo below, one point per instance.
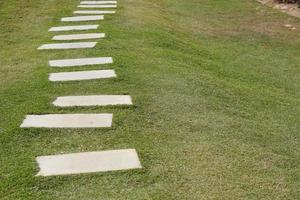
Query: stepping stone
(98, 2)
(71, 28)
(88, 162)
(82, 18)
(93, 100)
(97, 6)
(90, 12)
(79, 36)
(67, 121)
(82, 75)
(74, 45)
(80, 62)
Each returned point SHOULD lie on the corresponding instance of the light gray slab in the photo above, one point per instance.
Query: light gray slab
(93, 100)
(91, 12)
(88, 162)
(80, 62)
(79, 36)
(82, 18)
(68, 121)
(82, 75)
(71, 28)
(71, 45)
(98, 2)
(97, 6)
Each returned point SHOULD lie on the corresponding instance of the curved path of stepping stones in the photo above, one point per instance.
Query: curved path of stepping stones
(82, 162)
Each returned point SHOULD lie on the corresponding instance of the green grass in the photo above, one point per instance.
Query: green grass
(215, 86)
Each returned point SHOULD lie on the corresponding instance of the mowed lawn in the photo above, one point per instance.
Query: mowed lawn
(215, 86)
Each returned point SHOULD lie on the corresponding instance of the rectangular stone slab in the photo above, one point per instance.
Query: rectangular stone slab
(88, 162)
(84, 36)
(98, 2)
(91, 12)
(67, 121)
(80, 62)
(93, 100)
(71, 45)
(82, 75)
(82, 18)
(73, 28)
(97, 6)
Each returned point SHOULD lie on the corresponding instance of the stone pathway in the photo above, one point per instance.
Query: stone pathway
(93, 100)
(73, 28)
(82, 75)
(84, 162)
(91, 12)
(79, 36)
(74, 45)
(80, 62)
(98, 2)
(68, 121)
(97, 6)
(88, 162)
(82, 18)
